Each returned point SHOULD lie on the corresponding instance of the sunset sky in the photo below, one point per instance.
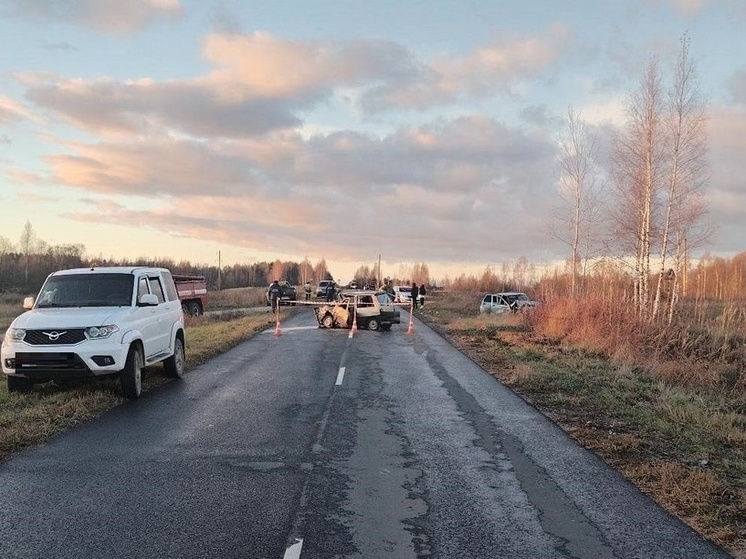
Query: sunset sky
(421, 131)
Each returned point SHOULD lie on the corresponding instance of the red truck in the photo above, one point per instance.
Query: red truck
(192, 293)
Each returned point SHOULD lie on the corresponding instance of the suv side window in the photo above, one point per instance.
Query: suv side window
(170, 287)
(142, 287)
(157, 289)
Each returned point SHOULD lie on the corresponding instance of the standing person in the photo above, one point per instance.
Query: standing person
(275, 292)
(307, 289)
(330, 291)
(388, 287)
(422, 295)
(415, 294)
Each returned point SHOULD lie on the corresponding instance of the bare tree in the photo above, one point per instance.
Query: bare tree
(684, 203)
(638, 173)
(579, 213)
(27, 244)
(320, 270)
(278, 270)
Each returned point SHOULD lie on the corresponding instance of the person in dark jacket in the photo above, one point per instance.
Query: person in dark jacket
(415, 295)
(275, 292)
(422, 295)
(330, 288)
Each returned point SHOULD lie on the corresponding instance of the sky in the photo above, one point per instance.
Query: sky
(418, 131)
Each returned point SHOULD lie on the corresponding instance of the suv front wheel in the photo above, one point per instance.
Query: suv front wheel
(131, 376)
(174, 365)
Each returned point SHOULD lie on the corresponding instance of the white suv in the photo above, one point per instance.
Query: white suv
(97, 321)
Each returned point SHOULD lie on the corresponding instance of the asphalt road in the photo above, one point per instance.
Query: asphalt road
(316, 444)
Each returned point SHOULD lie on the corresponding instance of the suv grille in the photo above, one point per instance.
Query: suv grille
(42, 364)
(55, 337)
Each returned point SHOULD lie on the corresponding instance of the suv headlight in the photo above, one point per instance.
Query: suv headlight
(15, 335)
(100, 332)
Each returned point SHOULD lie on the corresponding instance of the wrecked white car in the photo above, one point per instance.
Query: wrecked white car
(373, 310)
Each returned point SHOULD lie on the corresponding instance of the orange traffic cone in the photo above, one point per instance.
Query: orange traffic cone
(278, 330)
(410, 328)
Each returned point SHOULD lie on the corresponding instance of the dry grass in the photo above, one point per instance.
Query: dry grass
(237, 298)
(664, 406)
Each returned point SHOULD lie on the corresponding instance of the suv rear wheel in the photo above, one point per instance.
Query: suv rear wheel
(131, 376)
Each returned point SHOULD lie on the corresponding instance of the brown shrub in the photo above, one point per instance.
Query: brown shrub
(707, 353)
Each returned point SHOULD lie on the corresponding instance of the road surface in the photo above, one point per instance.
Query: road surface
(318, 444)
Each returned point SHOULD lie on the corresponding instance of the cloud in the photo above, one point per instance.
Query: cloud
(259, 83)
(688, 8)
(115, 17)
(261, 65)
(148, 107)
(150, 168)
(495, 68)
(11, 112)
(338, 194)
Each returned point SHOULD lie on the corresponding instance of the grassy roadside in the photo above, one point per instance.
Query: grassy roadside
(30, 419)
(683, 446)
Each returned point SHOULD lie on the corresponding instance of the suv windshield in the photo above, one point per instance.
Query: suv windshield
(87, 290)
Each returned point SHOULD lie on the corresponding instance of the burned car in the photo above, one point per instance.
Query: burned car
(373, 310)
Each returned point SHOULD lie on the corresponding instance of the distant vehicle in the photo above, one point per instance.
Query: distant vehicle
(89, 322)
(374, 310)
(402, 293)
(321, 288)
(192, 293)
(288, 297)
(499, 303)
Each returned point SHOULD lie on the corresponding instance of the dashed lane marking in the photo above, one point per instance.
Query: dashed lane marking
(340, 376)
(293, 552)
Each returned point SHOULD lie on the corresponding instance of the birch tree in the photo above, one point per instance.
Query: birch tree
(638, 173)
(27, 244)
(684, 204)
(578, 217)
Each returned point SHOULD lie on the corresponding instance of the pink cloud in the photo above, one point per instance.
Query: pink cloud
(115, 17)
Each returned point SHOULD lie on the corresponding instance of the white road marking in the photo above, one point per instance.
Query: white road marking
(340, 376)
(293, 552)
(291, 329)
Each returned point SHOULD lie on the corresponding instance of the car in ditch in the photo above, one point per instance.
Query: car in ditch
(92, 322)
(368, 309)
(500, 303)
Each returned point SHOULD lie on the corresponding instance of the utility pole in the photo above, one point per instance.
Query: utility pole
(219, 270)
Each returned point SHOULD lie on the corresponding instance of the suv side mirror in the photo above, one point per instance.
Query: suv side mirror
(148, 300)
(28, 303)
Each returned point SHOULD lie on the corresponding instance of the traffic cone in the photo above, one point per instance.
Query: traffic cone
(410, 328)
(278, 330)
